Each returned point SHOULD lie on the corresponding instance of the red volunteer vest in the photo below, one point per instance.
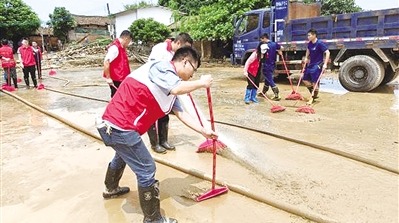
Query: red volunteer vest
(138, 103)
(253, 67)
(119, 67)
(6, 51)
(27, 56)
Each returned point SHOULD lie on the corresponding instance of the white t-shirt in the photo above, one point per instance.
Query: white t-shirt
(112, 53)
(160, 52)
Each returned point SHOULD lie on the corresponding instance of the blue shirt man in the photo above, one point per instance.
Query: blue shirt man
(315, 51)
(269, 64)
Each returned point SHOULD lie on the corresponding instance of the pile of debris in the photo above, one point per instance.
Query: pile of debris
(85, 55)
(82, 54)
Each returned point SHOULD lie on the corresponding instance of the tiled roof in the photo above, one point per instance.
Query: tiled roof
(92, 20)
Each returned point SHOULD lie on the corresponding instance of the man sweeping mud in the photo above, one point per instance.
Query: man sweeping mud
(145, 95)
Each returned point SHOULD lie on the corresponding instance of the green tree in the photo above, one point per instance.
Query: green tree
(215, 21)
(148, 31)
(17, 20)
(329, 7)
(136, 6)
(62, 22)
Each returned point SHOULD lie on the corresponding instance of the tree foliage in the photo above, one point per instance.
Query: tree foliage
(17, 20)
(137, 6)
(148, 31)
(62, 22)
(329, 7)
(215, 21)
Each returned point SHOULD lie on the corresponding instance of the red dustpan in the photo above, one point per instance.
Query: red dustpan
(214, 191)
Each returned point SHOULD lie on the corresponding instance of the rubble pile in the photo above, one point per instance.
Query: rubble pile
(89, 55)
(86, 55)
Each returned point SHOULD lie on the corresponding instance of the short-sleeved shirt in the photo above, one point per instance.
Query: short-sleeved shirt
(272, 53)
(112, 53)
(163, 74)
(316, 52)
(162, 51)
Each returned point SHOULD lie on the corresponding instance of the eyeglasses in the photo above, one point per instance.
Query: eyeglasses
(195, 69)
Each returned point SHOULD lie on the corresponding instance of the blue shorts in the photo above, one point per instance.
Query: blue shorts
(312, 73)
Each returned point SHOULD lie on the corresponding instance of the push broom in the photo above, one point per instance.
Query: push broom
(306, 108)
(7, 86)
(206, 146)
(295, 94)
(214, 191)
(52, 71)
(289, 79)
(274, 108)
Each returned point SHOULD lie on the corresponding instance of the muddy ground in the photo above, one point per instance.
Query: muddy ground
(51, 172)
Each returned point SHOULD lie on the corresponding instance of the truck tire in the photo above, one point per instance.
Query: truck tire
(361, 73)
(389, 75)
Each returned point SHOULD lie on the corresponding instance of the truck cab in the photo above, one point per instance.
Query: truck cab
(272, 21)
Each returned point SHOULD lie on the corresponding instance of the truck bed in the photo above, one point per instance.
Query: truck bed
(354, 30)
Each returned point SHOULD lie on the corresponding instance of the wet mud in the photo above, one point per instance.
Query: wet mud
(52, 173)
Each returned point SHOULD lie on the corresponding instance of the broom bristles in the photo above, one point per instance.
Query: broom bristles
(52, 72)
(207, 146)
(305, 109)
(277, 108)
(294, 96)
(8, 88)
(40, 87)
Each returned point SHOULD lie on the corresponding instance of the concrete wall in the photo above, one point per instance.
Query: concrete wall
(124, 19)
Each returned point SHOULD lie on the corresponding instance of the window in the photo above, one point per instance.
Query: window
(266, 20)
(247, 23)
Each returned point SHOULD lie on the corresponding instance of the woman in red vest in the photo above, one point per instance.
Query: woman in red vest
(253, 69)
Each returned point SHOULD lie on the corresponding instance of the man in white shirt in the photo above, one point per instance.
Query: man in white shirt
(116, 62)
(158, 132)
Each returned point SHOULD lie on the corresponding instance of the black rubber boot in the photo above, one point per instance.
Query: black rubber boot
(112, 188)
(264, 90)
(276, 94)
(150, 205)
(152, 134)
(316, 93)
(163, 127)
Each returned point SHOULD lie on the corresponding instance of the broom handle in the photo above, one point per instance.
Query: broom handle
(317, 82)
(315, 86)
(9, 76)
(300, 78)
(208, 92)
(260, 91)
(195, 108)
(288, 73)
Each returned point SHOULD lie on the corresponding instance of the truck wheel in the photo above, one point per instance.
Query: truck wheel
(361, 73)
(389, 75)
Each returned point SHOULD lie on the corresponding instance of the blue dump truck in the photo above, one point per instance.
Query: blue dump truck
(364, 46)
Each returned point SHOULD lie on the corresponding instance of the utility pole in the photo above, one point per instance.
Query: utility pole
(112, 25)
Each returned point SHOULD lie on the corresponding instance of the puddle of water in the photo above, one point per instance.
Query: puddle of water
(332, 85)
